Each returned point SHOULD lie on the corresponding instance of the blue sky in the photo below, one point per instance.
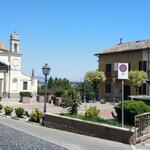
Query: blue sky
(66, 33)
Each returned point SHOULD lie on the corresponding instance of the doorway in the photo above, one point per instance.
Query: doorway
(127, 89)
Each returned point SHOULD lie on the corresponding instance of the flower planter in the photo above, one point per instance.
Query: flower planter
(25, 99)
(40, 98)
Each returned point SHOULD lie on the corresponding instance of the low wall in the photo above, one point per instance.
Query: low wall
(25, 99)
(40, 98)
(84, 127)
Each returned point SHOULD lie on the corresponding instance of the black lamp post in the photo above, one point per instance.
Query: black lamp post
(45, 70)
(84, 91)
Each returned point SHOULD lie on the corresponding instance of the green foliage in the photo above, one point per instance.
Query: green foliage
(95, 119)
(64, 83)
(19, 112)
(59, 92)
(0, 98)
(58, 83)
(131, 109)
(8, 110)
(27, 94)
(56, 87)
(87, 89)
(66, 102)
(92, 111)
(137, 78)
(51, 82)
(36, 116)
(95, 76)
(73, 101)
(1, 107)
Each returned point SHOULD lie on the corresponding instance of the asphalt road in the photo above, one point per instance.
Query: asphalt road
(12, 139)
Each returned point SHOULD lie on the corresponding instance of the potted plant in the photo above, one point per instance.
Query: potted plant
(25, 97)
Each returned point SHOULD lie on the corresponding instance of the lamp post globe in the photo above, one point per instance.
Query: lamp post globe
(46, 71)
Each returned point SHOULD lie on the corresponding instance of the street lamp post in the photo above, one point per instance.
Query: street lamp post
(84, 91)
(45, 70)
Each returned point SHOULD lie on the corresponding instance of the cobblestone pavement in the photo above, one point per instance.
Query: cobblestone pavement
(11, 139)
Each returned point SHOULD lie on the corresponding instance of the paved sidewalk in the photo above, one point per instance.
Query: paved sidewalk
(14, 102)
(144, 145)
(69, 140)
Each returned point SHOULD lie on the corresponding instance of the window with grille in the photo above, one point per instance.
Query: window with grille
(108, 69)
(25, 85)
(142, 65)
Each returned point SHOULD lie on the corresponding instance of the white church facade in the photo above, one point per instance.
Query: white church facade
(12, 80)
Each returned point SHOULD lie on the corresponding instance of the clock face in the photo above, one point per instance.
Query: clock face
(15, 62)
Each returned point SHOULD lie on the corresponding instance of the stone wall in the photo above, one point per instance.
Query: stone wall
(84, 127)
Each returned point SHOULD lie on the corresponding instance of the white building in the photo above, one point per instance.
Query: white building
(12, 80)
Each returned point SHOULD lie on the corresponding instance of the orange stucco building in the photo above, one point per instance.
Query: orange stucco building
(137, 55)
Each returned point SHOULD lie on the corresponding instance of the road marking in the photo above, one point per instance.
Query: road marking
(33, 135)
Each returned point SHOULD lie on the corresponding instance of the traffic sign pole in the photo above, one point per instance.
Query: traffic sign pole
(122, 108)
(123, 75)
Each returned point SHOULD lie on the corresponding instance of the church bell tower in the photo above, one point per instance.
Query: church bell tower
(14, 43)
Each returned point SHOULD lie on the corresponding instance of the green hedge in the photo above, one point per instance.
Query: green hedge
(131, 109)
(27, 94)
(19, 112)
(59, 92)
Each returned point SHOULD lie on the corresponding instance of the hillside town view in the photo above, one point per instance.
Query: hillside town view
(75, 75)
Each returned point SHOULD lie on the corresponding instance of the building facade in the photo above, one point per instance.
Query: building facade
(12, 80)
(137, 55)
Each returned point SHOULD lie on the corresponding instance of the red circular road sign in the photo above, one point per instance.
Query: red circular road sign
(123, 68)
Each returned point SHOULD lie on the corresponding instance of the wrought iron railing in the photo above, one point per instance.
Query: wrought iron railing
(142, 125)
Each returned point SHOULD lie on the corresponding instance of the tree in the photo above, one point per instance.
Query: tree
(58, 83)
(56, 86)
(72, 101)
(86, 89)
(137, 78)
(61, 83)
(50, 82)
(95, 77)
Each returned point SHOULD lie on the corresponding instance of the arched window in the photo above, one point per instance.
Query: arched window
(15, 47)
